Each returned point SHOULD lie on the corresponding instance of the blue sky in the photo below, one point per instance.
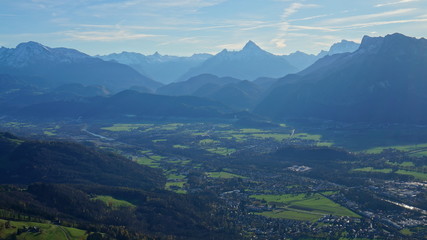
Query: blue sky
(183, 27)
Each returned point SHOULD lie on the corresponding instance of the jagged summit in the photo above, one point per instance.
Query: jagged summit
(343, 47)
(251, 46)
(396, 43)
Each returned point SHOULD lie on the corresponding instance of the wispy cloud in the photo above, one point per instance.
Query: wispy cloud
(324, 29)
(395, 3)
(309, 18)
(367, 17)
(280, 41)
(380, 23)
(294, 7)
(107, 36)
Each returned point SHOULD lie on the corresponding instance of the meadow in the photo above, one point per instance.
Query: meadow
(47, 231)
(307, 206)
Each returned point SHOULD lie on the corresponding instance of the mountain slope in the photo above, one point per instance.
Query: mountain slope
(162, 68)
(190, 86)
(239, 95)
(62, 65)
(384, 81)
(248, 64)
(302, 60)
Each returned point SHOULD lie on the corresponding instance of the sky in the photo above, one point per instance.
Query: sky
(184, 27)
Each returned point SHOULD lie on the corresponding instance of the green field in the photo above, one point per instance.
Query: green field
(221, 151)
(405, 148)
(251, 130)
(223, 175)
(48, 231)
(208, 141)
(300, 216)
(180, 146)
(306, 136)
(146, 161)
(276, 136)
(112, 202)
(311, 204)
(404, 164)
(417, 175)
(49, 133)
(373, 170)
(176, 187)
(121, 127)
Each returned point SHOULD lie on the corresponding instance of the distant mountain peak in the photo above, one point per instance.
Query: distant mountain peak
(251, 46)
(33, 47)
(399, 43)
(31, 44)
(343, 47)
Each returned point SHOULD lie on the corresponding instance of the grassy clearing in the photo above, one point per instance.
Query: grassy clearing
(324, 144)
(176, 186)
(146, 161)
(276, 136)
(180, 146)
(404, 164)
(113, 203)
(223, 175)
(373, 170)
(122, 127)
(405, 148)
(419, 154)
(251, 130)
(417, 175)
(306, 136)
(406, 232)
(175, 177)
(284, 214)
(208, 141)
(239, 137)
(311, 203)
(49, 133)
(48, 231)
(221, 151)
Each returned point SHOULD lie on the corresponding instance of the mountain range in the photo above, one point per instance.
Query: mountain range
(384, 81)
(248, 64)
(57, 66)
(162, 68)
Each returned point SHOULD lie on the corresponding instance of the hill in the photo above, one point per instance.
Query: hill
(384, 81)
(124, 105)
(26, 162)
(99, 192)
